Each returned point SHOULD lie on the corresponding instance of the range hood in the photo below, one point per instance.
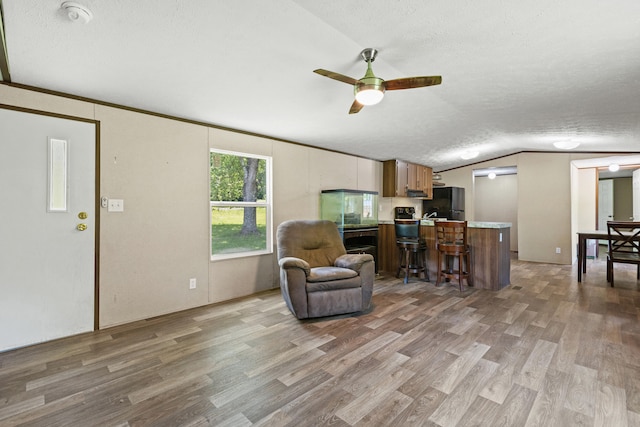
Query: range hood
(415, 193)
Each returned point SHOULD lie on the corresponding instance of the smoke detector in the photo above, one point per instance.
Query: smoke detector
(77, 12)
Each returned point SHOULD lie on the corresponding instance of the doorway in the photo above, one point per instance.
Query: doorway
(495, 198)
(617, 196)
(47, 227)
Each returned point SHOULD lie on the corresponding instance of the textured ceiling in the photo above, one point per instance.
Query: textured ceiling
(515, 75)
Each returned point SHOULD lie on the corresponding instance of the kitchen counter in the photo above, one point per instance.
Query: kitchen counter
(470, 224)
(490, 252)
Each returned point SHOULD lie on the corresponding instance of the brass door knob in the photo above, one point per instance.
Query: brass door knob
(81, 227)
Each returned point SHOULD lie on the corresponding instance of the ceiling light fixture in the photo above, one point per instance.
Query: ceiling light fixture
(468, 155)
(614, 167)
(368, 96)
(77, 12)
(492, 175)
(566, 144)
(370, 89)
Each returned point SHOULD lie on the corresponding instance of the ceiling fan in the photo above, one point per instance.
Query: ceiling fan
(369, 90)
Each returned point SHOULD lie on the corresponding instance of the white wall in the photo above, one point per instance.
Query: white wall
(586, 202)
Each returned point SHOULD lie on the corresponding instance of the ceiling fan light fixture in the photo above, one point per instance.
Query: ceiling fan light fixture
(370, 89)
(367, 95)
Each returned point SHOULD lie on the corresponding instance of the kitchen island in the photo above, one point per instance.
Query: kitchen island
(490, 255)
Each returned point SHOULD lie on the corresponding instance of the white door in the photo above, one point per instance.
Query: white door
(605, 203)
(636, 194)
(46, 262)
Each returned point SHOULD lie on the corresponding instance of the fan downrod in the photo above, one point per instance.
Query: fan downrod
(369, 54)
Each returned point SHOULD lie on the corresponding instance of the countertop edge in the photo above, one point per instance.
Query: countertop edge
(470, 224)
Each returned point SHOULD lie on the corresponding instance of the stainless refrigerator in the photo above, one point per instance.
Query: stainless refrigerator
(448, 202)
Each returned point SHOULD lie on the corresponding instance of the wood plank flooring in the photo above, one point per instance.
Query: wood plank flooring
(545, 351)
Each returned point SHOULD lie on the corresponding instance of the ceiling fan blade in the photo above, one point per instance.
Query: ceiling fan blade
(412, 82)
(355, 107)
(336, 76)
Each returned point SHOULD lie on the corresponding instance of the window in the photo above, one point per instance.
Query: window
(240, 204)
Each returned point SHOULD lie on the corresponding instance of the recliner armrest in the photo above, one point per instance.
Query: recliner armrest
(353, 261)
(292, 262)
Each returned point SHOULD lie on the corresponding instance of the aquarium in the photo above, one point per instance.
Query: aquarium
(350, 208)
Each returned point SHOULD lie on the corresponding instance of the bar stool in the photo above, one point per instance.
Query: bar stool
(412, 249)
(452, 247)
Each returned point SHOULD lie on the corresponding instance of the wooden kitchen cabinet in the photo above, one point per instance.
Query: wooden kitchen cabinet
(414, 176)
(387, 249)
(427, 182)
(399, 176)
(395, 177)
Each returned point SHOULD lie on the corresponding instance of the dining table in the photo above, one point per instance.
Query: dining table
(583, 236)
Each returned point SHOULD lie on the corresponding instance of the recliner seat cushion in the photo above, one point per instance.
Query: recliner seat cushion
(334, 285)
(330, 274)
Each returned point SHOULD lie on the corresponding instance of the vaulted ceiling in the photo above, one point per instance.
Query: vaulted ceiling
(516, 76)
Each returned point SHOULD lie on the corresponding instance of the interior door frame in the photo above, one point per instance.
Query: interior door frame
(601, 185)
(96, 200)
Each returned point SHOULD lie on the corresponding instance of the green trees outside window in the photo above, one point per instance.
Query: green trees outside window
(240, 204)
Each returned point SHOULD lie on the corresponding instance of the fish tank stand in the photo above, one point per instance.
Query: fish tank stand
(355, 212)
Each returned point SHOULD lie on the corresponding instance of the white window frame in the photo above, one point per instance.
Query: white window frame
(267, 204)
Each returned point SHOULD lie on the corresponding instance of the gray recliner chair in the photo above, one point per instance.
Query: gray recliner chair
(317, 276)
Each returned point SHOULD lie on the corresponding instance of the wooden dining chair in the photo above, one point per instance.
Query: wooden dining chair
(624, 246)
(452, 247)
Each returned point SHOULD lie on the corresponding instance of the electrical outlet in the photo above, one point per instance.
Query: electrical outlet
(192, 283)
(558, 250)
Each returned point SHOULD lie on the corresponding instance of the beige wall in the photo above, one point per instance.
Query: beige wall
(622, 199)
(149, 252)
(160, 168)
(497, 200)
(549, 193)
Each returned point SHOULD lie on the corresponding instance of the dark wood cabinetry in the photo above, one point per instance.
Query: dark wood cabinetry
(399, 176)
(489, 251)
(387, 250)
(395, 175)
(427, 182)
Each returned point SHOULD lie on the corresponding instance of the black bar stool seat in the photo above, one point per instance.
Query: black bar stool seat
(411, 248)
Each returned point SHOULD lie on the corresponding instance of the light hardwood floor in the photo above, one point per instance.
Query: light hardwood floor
(546, 351)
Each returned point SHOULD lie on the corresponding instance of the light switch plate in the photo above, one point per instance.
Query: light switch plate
(116, 205)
